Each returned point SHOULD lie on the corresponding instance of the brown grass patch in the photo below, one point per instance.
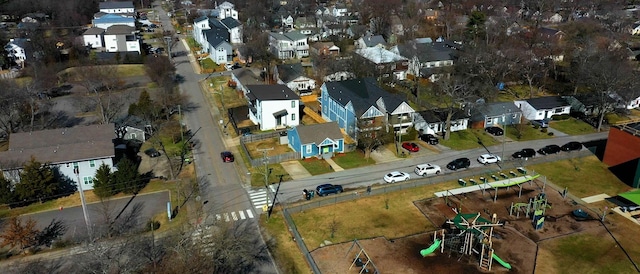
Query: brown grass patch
(256, 148)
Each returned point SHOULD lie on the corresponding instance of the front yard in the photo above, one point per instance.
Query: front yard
(572, 126)
(468, 139)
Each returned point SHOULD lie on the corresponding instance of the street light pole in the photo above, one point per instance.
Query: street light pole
(76, 170)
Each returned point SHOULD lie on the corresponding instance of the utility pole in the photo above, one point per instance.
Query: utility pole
(266, 169)
(76, 170)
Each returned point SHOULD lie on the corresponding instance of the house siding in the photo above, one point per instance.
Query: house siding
(266, 109)
(530, 113)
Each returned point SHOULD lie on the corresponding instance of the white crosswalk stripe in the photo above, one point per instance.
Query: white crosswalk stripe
(242, 215)
(235, 216)
(259, 197)
(249, 213)
(226, 217)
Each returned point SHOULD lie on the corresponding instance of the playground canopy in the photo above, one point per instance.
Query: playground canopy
(464, 218)
(626, 199)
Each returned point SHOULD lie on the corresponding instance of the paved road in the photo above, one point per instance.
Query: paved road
(364, 176)
(222, 190)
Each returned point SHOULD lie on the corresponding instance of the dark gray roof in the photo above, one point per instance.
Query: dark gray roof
(116, 5)
(291, 36)
(230, 22)
(201, 18)
(119, 29)
(60, 145)
(362, 93)
(371, 41)
(289, 72)
(316, 133)
(548, 102)
(440, 115)
(93, 31)
(216, 36)
(271, 93)
(495, 109)
(426, 52)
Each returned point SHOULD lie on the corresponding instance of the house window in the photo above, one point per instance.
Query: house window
(514, 116)
(92, 163)
(558, 110)
(489, 120)
(293, 104)
(87, 180)
(133, 136)
(308, 148)
(293, 116)
(75, 165)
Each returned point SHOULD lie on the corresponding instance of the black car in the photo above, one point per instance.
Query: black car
(571, 146)
(495, 131)
(550, 149)
(326, 189)
(459, 163)
(152, 152)
(429, 139)
(227, 156)
(524, 153)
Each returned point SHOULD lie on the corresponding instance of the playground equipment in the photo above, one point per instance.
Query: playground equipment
(365, 264)
(534, 209)
(466, 234)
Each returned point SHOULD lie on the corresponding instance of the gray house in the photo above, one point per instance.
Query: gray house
(485, 115)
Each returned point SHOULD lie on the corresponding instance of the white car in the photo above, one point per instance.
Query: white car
(396, 176)
(228, 66)
(488, 159)
(427, 169)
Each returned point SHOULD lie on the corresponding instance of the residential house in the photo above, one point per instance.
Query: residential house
(358, 102)
(324, 49)
(387, 63)
(543, 107)
(290, 45)
(273, 106)
(333, 29)
(635, 28)
(587, 105)
(17, 49)
(93, 38)
(244, 77)
(370, 41)
(431, 15)
(502, 114)
(322, 11)
(117, 7)
(133, 128)
(75, 152)
(108, 20)
(316, 140)
(294, 77)
(305, 22)
(218, 46)
(121, 38)
(622, 152)
(425, 58)
(227, 10)
(356, 31)
(339, 76)
(232, 27)
(434, 121)
(554, 18)
(338, 10)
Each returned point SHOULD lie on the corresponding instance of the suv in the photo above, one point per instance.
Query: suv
(488, 159)
(326, 189)
(541, 123)
(571, 146)
(459, 163)
(495, 131)
(427, 169)
(429, 139)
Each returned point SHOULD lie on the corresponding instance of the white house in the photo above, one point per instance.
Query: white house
(339, 10)
(290, 45)
(434, 121)
(17, 49)
(425, 57)
(227, 10)
(273, 106)
(218, 46)
(93, 38)
(231, 26)
(76, 152)
(120, 38)
(543, 107)
(293, 76)
(116, 7)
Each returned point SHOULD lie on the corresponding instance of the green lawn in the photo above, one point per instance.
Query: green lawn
(257, 175)
(527, 133)
(131, 70)
(316, 166)
(352, 160)
(468, 139)
(572, 126)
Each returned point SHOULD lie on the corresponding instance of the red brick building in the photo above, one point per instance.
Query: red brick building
(622, 153)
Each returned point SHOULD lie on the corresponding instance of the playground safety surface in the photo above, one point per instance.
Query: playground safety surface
(516, 242)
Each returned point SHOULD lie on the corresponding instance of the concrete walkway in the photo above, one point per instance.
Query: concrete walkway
(595, 198)
(295, 170)
(333, 165)
(556, 132)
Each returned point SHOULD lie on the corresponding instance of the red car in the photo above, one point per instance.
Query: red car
(227, 156)
(413, 147)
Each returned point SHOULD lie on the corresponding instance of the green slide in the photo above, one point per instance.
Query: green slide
(500, 261)
(431, 249)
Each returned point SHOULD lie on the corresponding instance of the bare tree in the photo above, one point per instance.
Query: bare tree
(103, 84)
(371, 134)
(452, 91)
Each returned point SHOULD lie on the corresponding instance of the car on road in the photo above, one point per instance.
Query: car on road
(427, 169)
(227, 156)
(571, 146)
(459, 163)
(396, 176)
(429, 139)
(413, 147)
(488, 159)
(495, 131)
(544, 123)
(550, 149)
(152, 152)
(524, 153)
(326, 189)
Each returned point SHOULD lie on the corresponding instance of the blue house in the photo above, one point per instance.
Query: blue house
(317, 140)
(360, 105)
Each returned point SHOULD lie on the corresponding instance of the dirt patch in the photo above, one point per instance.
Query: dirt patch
(255, 148)
(515, 242)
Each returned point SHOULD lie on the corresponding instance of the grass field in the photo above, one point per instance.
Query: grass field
(572, 126)
(316, 166)
(468, 139)
(352, 160)
(275, 170)
(527, 133)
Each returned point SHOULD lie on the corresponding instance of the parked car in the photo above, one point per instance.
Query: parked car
(228, 66)
(495, 131)
(571, 146)
(541, 123)
(524, 153)
(227, 156)
(459, 163)
(396, 176)
(152, 152)
(413, 147)
(326, 189)
(550, 149)
(488, 159)
(429, 139)
(427, 169)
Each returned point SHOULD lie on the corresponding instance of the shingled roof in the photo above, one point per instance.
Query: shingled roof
(271, 93)
(289, 72)
(316, 133)
(362, 93)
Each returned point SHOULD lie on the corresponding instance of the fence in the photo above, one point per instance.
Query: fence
(300, 241)
(262, 136)
(274, 159)
(9, 75)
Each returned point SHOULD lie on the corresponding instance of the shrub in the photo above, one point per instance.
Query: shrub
(550, 133)
(535, 126)
(543, 130)
(152, 225)
(561, 117)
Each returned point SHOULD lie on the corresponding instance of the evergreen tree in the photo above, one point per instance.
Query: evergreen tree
(6, 190)
(37, 181)
(103, 183)
(127, 178)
